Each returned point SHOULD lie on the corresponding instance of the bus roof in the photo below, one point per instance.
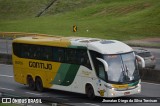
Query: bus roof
(95, 44)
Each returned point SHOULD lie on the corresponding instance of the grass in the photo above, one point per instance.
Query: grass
(8, 104)
(20, 9)
(121, 20)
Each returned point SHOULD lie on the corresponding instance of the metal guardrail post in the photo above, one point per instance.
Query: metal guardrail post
(7, 50)
(0, 94)
(54, 104)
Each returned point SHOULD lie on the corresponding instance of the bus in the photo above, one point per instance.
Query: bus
(91, 66)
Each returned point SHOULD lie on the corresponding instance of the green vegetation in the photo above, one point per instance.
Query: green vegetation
(1, 104)
(110, 19)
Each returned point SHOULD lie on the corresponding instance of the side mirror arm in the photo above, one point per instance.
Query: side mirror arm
(104, 62)
(142, 61)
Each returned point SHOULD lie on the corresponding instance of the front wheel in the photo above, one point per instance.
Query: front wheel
(90, 92)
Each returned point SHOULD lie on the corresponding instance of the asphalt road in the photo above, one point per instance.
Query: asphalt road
(6, 47)
(8, 85)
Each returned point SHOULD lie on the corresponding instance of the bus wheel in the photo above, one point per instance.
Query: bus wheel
(90, 92)
(31, 83)
(39, 84)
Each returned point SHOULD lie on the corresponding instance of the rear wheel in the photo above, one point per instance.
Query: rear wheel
(90, 92)
(39, 84)
(31, 83)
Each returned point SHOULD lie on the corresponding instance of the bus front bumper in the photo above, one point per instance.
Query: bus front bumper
(119, 93)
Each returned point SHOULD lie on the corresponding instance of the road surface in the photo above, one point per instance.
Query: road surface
(8, 85)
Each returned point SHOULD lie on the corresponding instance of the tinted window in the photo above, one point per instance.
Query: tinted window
(101, 71)
(17, 49)
(58, 54)
(33, 51)
(145, 54)
(71, 56)
(77, 56)
(99, 67)
(48, 53)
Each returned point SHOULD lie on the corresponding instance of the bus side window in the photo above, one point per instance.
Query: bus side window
(25, 51)
(17, 49)
(43, 53)
(71, 56)
(101, 71)
(84, 59)
(58, 54)
(47, 53)
(99, 67)
(36, 52)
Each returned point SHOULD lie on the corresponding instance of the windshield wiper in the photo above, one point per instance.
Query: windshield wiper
(123, 71)
(127, 71)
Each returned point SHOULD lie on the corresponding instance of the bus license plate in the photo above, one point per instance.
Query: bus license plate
(126, 93)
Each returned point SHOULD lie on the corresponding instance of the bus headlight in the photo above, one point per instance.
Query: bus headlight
(113, 89)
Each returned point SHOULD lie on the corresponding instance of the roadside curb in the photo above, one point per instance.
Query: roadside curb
(150, 75)
(134, 45)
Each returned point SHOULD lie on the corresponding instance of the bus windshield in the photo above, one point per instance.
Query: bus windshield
(122, 68)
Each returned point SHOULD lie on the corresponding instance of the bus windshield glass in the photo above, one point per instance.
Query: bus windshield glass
(122, 68)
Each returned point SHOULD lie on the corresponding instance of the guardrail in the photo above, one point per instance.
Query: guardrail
(13, 35)
(5, 58)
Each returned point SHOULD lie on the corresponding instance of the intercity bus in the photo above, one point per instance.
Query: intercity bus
(91, 66)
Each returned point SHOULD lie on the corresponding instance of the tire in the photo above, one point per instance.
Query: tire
(39, 84)
(31, 83)
(90, 92)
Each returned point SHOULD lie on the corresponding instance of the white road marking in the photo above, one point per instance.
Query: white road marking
(7, 89)
(6, 65)
(62, 99)
(6, 76)
(91, 104)
(21, 104)
(150, 83)
(33, 93)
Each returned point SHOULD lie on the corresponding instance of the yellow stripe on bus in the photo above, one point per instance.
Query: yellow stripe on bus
(120, 86)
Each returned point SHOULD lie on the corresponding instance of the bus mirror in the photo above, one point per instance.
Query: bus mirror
(141, 62)
(104, 63)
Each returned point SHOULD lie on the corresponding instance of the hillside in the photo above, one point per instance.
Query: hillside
(19, 9)
(111, 19)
